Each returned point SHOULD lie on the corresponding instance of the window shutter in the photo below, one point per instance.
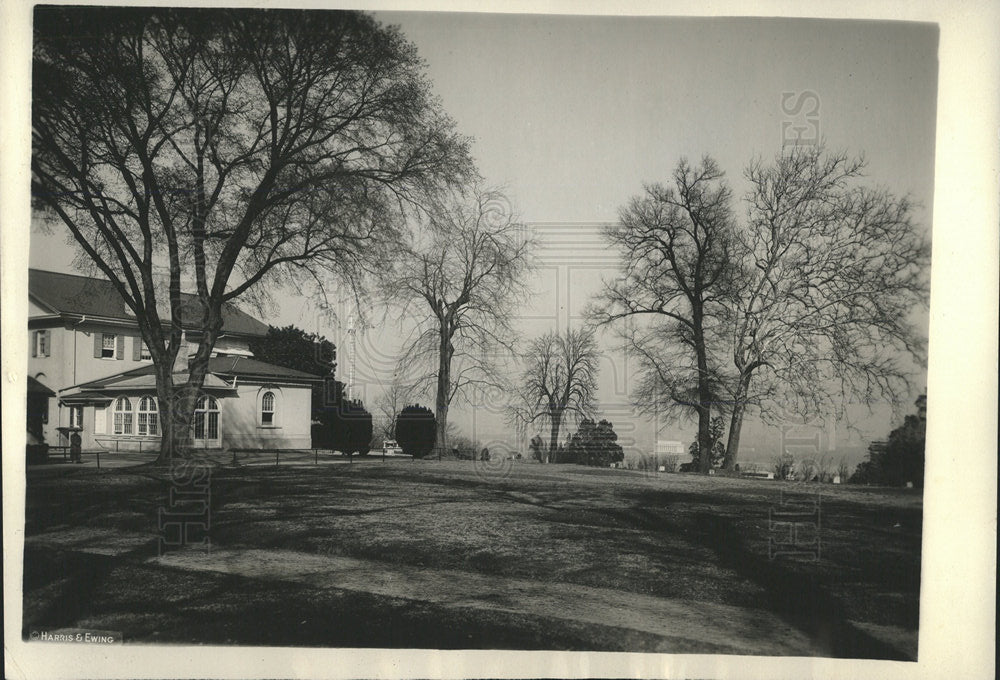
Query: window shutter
(34, 344)
(97, 345)
(119, 347)
(46, 346)
(100, 419)
(136, 348)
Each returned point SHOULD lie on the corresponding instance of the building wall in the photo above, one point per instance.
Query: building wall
(241, 421)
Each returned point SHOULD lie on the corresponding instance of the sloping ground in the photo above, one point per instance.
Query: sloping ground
(421, 553)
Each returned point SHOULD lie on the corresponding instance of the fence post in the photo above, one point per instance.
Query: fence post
(98, 459)
(315, 456)
(276, 458)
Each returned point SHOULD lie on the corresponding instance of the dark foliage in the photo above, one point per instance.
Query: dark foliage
(342, 424)
(594, 444)
(293, 347)
(416, 430)
(899, 460)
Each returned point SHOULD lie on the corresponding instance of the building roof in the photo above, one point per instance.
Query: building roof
(247, 366)
(73, 294)
(35, 387)
(220, 372)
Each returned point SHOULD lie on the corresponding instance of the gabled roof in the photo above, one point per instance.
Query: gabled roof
(73, 294)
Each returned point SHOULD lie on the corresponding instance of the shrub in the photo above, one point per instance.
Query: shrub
(416, 430)
(345, 426)
(783, 465)
(594, 444)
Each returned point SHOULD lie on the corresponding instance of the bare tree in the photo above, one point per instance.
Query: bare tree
(462, 285)
(829, 274)
(396, 395)
(560, 377)
(229, 147)
(676, 247)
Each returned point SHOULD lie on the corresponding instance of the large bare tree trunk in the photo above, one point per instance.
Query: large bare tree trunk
(704, 396)
(554, 437)
(443, 388)
(177, 402)
(736, 423)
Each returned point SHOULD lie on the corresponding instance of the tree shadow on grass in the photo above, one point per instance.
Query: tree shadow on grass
(797, 595)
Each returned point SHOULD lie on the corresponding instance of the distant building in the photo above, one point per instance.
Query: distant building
(669, 447)
(90, 372)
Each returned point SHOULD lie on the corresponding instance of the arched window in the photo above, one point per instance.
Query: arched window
(206, 418)
(267, 409)
(149, 419)
(123, 416)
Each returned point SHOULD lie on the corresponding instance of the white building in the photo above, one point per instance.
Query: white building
(669, 447)
(87, 349)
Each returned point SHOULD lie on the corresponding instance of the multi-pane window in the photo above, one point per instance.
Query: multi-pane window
(267, 409)
(41, 344)
(206, 418)
(76, 417)
(148, 417)
(144, 354)
(108, 343)
(123, 416)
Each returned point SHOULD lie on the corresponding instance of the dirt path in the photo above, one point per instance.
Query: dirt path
(747, 631)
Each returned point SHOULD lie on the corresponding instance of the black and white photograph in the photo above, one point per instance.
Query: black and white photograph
(377, 342)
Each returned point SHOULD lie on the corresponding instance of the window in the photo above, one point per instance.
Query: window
(76, 417)
(144, 354)
(123, 416)
(108, 345)
(206, 418)
(148, 417)
(40, 344)
(267, 409)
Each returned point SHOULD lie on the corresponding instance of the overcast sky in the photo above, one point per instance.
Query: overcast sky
(573, 114)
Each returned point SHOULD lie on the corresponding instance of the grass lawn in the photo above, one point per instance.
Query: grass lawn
(433, 554)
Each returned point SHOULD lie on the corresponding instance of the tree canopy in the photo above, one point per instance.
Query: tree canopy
(559, 378)
(221, 148)
(676, 245)
(804, 305)
(462, 283)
